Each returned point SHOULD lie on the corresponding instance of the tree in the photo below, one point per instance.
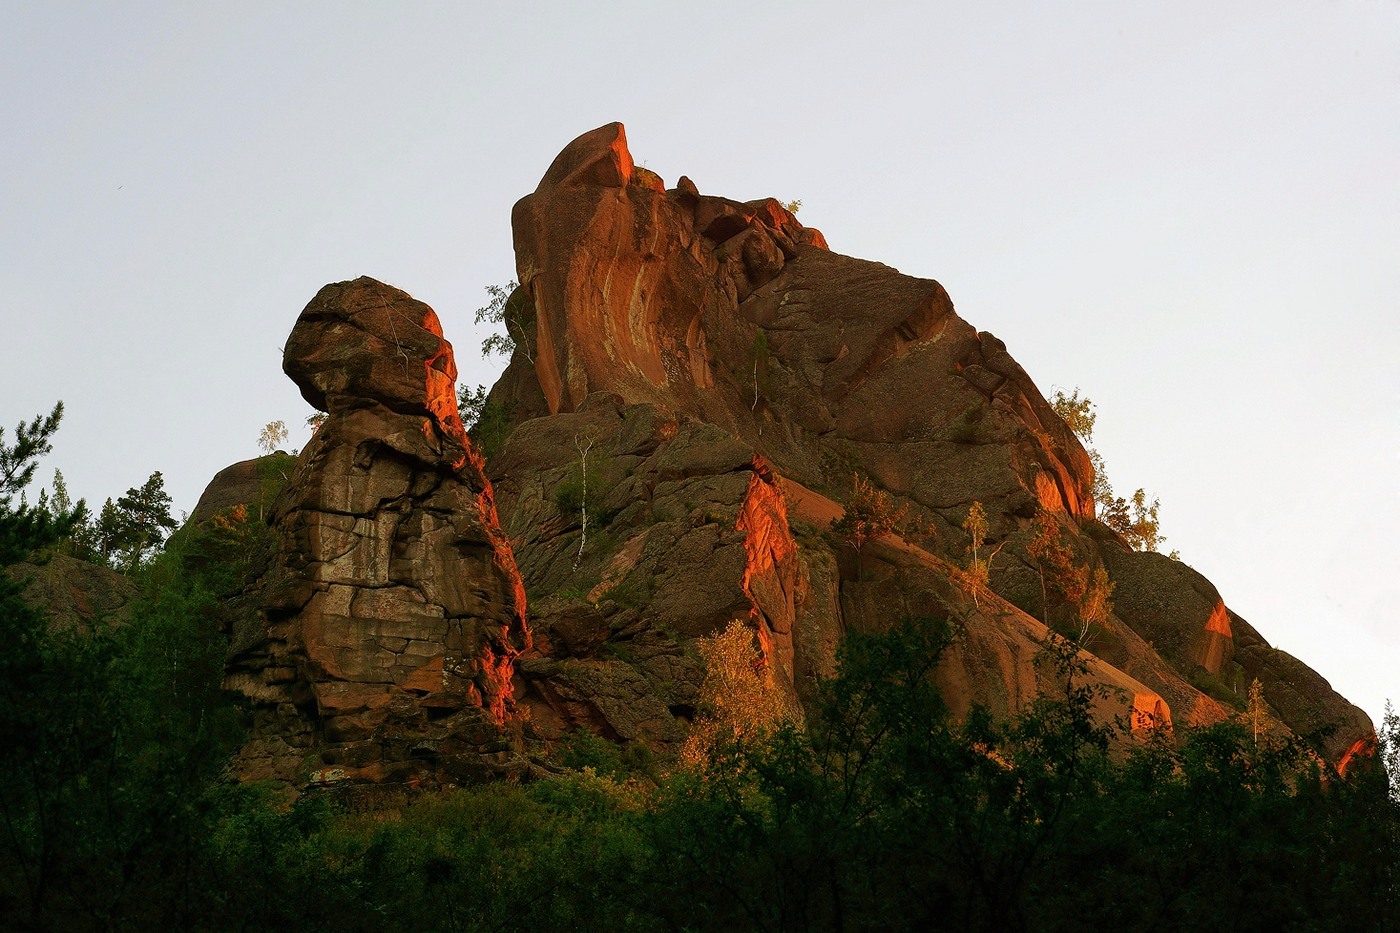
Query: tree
(129, 530)
(32, 441)
(1137, 520)
(24, 529)
(1388, 740)
(1257, 711)
(1144, 529)
(1077, 412)
(1055, 561)
(35, 718)
(507, 308)
(870, 513)
(740, 699)
(1089, 592)
(979, 571)
(488, 423)
(272, 436)
(583, 451)
(470, 404)
(1096, 603)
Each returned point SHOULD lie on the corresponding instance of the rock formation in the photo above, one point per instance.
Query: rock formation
(75, 594)
(732, 374)
(382, 640)
(697, 383)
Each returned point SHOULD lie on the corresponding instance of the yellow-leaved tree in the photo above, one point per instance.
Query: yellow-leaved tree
(740, 699)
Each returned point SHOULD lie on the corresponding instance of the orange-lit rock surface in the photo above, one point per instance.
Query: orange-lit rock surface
(731, 373)
(697, 381)
(381, 643)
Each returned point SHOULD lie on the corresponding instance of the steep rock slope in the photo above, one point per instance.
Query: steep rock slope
(717, 376)
(697, 385)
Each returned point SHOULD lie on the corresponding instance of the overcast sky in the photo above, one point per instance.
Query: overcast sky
(1189, 210)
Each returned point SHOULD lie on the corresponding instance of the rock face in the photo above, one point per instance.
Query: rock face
(76, 594)
(724, 374)
(382, 641)
(695, 387)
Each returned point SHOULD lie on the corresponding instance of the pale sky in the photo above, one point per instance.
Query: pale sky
(1189, 210)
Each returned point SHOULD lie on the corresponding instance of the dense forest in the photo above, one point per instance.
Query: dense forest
(881, 812)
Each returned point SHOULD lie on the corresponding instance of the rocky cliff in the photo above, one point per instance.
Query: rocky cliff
(696, 385)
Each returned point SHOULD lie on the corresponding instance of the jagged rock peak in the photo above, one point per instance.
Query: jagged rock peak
(623, 273)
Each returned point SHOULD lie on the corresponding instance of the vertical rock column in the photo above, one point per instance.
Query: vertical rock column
(386, 630)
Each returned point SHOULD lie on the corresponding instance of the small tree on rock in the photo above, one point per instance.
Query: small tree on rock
(129, 530)
(740, 699)
(507, 310)
(979, 571)
(272, 436)
(1055, 561)
(1135, 520)
(1256, 711)
(870, 513)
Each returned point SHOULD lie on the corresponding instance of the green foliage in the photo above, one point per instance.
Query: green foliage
(583, 749)
(274, 472)
(488, 423)
(470, 404)
(128, 532)
(112, 737)
(24, 529)
(964, 429)
(509, 309)
(1215, 688)
(33, 440)
(569, 493)
(870, 513)
(1388, 750)
(885, 813)
(633, 591)
(840, 460)
(1078, 413)
(1136, 520)
(889, 814)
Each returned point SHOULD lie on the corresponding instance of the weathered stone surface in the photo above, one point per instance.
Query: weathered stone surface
(240, 483)
(75, 593)
(717, 353)
(392, 616)
(697, 382)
